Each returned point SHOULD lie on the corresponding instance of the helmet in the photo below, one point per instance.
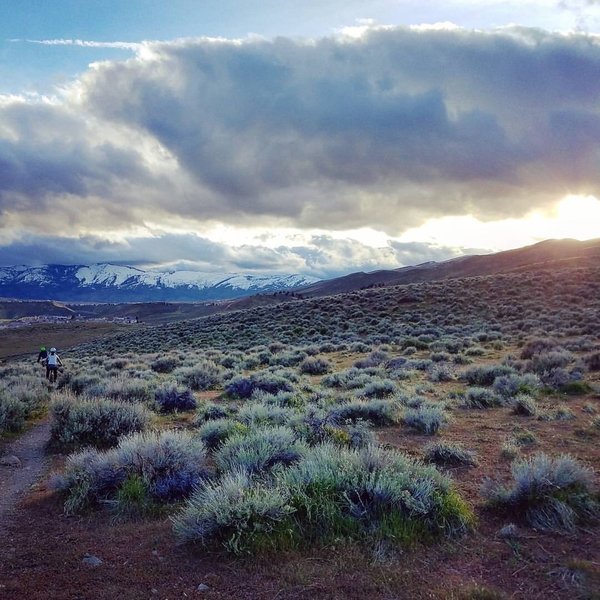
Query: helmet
(52, 349)
(42, 348)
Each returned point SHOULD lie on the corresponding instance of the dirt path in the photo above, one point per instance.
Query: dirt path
(15, 481)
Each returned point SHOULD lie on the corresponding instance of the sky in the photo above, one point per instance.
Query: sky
(295, 137)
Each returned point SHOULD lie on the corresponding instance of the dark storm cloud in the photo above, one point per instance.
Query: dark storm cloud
(49, 152)
(319, 256)
(383, 131)
(155, 250)
(436, 121)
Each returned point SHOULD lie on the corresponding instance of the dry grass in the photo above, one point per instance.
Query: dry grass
(27, 340)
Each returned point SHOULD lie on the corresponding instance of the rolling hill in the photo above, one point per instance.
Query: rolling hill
(543, 255)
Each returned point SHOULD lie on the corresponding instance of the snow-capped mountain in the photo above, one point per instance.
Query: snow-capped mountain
(114, 283)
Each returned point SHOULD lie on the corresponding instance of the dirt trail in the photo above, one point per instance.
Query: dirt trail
(15, 481)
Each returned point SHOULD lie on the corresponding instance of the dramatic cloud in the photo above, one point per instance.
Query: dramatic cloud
(384, 128)
(319, 256)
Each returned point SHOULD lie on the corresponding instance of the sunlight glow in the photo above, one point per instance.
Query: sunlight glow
(272, 237)
(576, 217)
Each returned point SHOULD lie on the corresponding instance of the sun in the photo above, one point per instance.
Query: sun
(575, 216)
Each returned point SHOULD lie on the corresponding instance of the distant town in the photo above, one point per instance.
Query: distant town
(54, 319)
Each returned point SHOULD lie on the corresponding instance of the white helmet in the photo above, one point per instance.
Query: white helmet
(52, 349)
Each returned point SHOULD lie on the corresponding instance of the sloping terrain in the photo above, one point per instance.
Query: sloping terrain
(547, 254)
(498, 370)
(12, 309)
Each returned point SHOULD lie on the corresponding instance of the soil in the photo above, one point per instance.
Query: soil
(43, 554)
(26, 340)
(42, 551)
(15, 482)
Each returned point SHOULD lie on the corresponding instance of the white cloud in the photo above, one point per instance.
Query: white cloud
(379, 133)
(317, 255)
(83, 43)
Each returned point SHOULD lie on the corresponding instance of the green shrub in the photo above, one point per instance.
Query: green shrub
(378, 388)
(295, 400)
(206, 375)
(255, 414)
(478, 592)
(441, 372)
(371, 491)
(525, 405)
(427, 418)
(475, 351)
(443, 453)
(367, 494)
(480, 397)
(537, 346)
(164, 364)
(317, 426)
(96, 422)
(216, 431)
(271, 383)
(31, 391)
(21, 395)
(559, 414)
(349, 379)
(378, 412)
(259, 450)
(575, 388)
(482, 375)
(169, 463)
(133, 498)
(12, 413)
(209, 411)
(170, 398)
(551, 494)
(510, 450)
(237, 513)
(289, 359)
(315, 366)
(546, 362)
(524, 437)
(81, 382)
(508, 386)
(127, 389)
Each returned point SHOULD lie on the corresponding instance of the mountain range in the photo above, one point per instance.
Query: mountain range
(117, 284)
(114, 283)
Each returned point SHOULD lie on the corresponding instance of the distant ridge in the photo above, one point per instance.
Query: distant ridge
(119, 284)
(114, 283)
(546, 254)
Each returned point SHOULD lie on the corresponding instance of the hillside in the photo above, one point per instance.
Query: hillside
(544, 255)
(424, 390)
(515, 303)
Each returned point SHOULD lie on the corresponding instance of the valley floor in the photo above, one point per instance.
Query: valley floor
(506, 368)
(43, 554)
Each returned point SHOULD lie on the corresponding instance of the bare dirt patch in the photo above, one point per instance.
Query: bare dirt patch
(45, 550)
(28, 339)
(16, 481)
